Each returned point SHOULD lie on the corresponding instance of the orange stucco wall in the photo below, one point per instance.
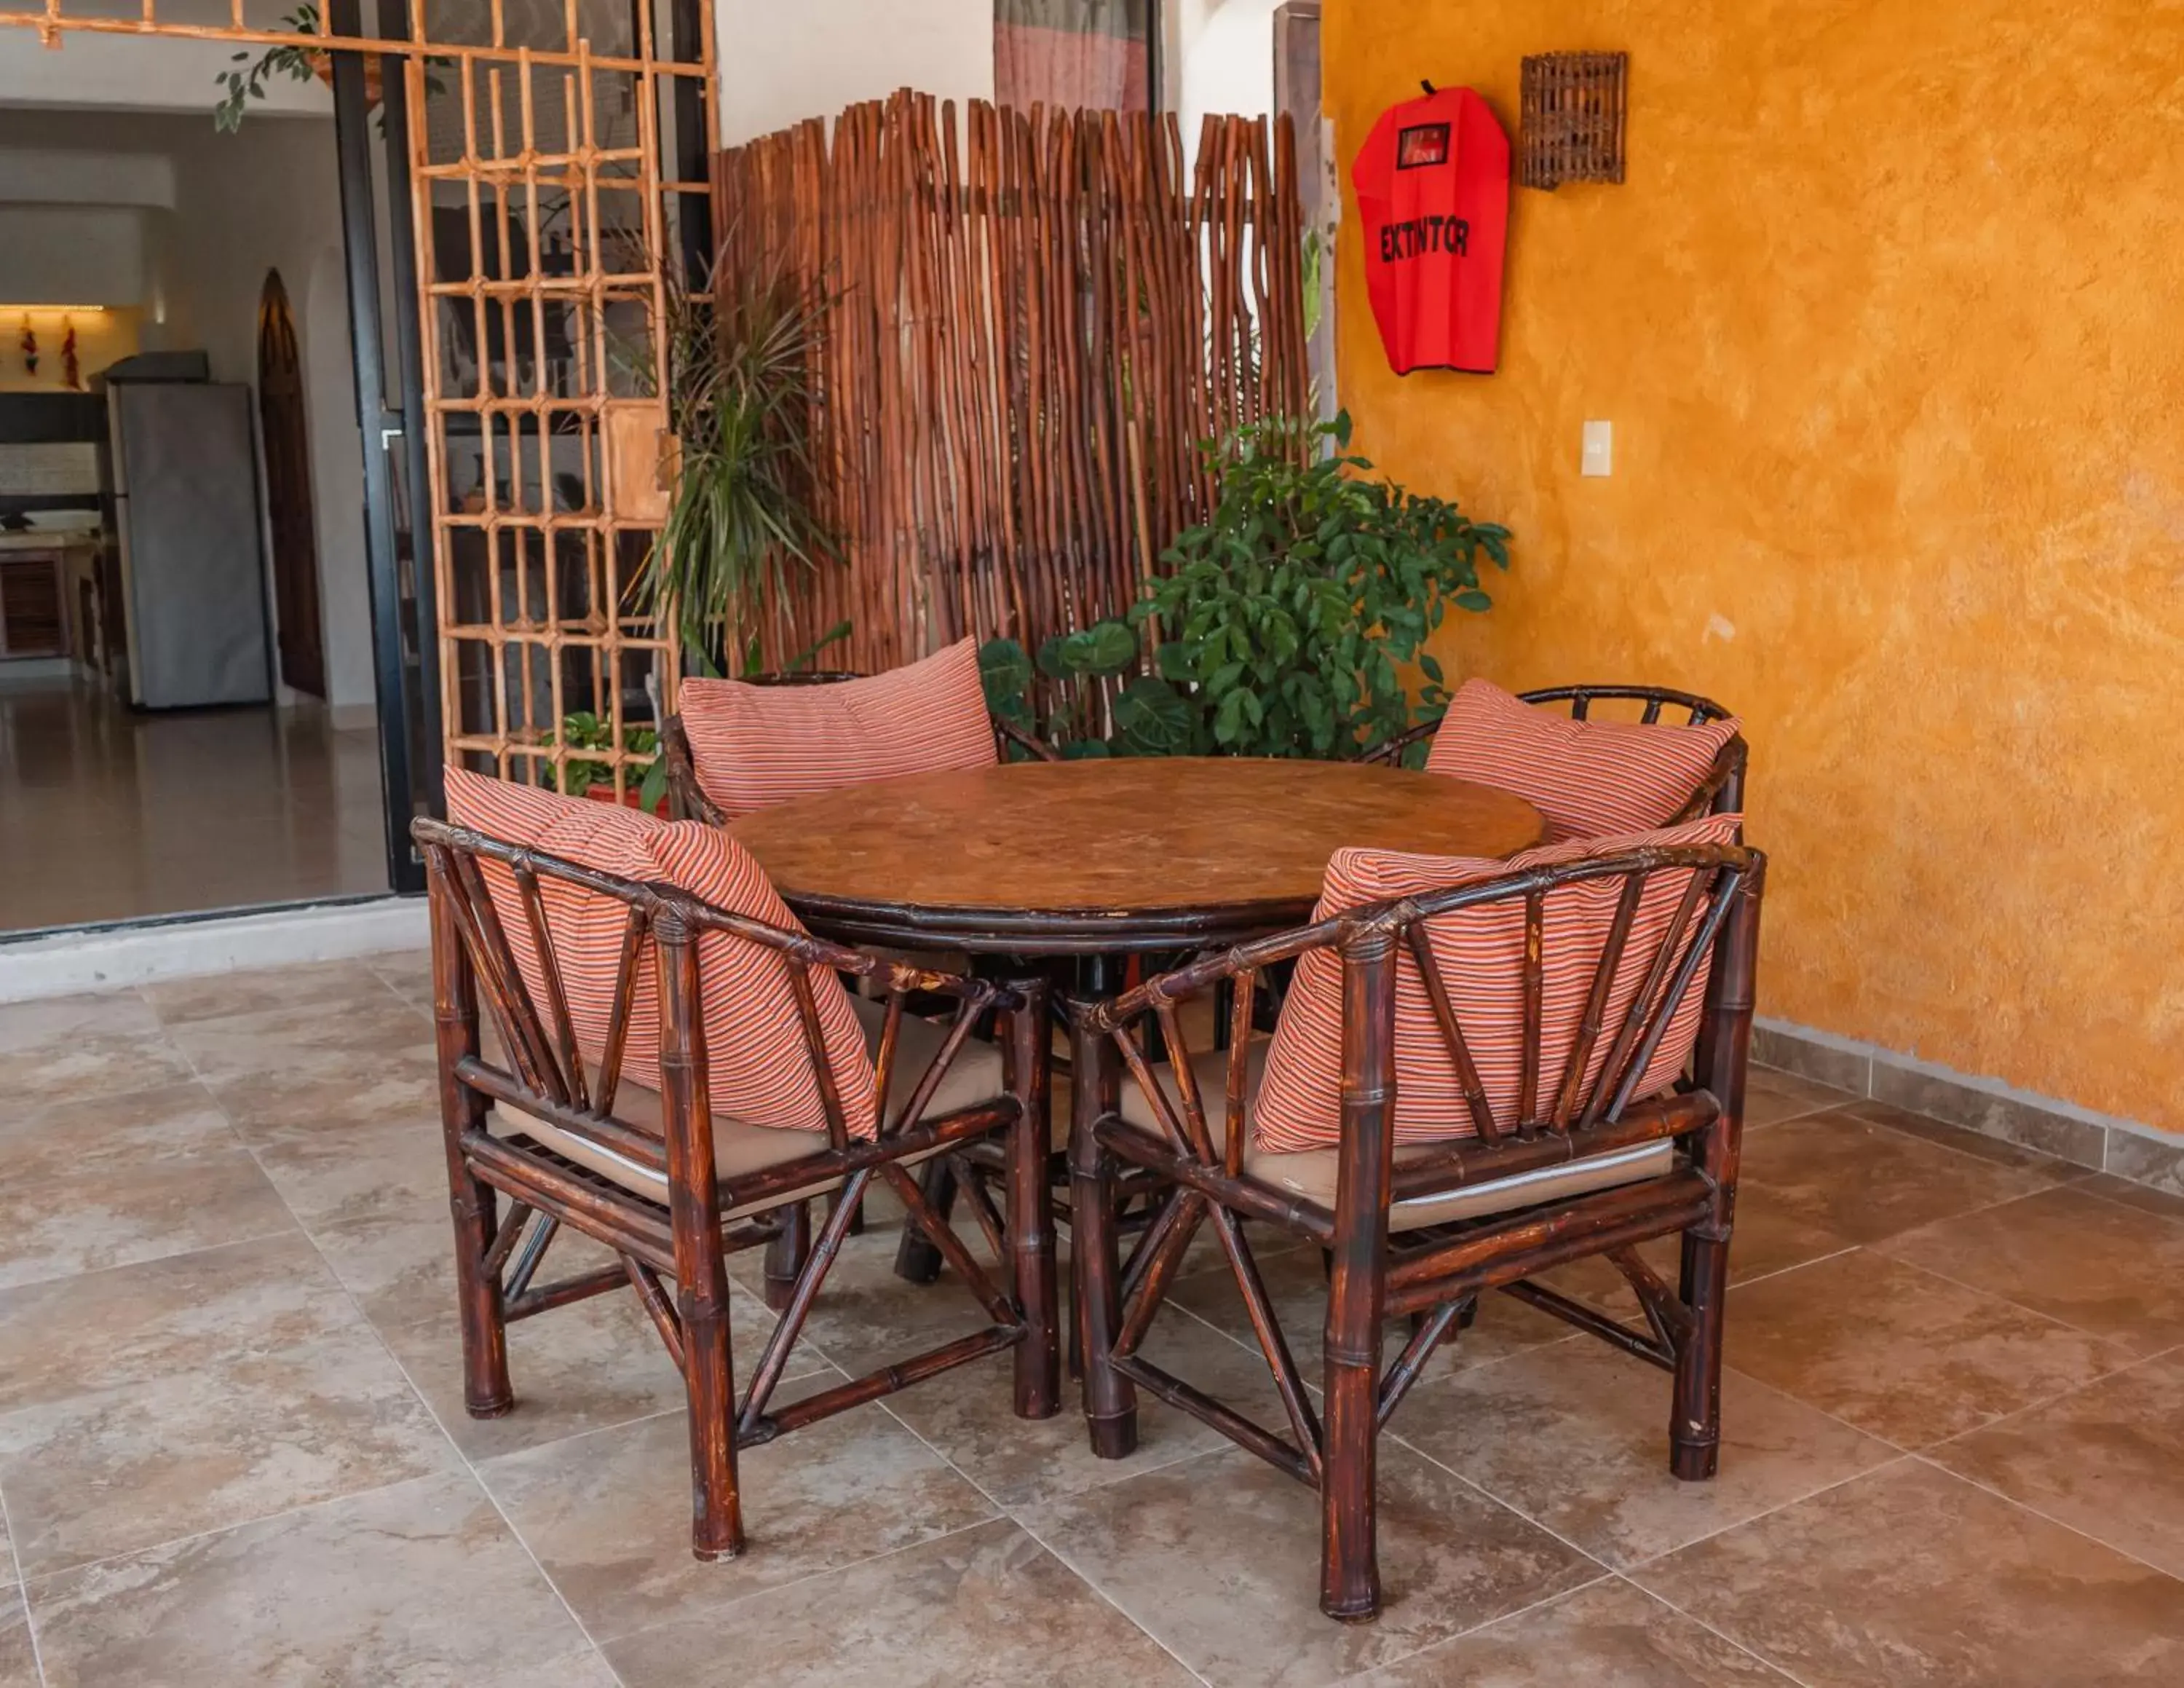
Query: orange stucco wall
(1889, 319)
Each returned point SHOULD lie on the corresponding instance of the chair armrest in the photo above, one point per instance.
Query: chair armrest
(686, 798)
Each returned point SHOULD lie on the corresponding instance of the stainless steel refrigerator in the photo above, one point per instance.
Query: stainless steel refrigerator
(182, 467)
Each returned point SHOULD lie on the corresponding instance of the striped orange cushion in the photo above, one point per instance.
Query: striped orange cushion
(1591, 779)
(1480, 954)
(760, 1067)
(756, 746)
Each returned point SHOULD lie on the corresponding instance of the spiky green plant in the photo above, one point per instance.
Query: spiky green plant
(745, 518)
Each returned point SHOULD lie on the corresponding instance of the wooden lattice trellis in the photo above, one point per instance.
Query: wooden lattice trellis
(1032, 325)
(544, 223)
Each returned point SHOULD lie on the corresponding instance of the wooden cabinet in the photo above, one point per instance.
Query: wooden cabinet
(34, 614)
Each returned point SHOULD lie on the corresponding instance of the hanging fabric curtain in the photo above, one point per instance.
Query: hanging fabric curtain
(1073, 53)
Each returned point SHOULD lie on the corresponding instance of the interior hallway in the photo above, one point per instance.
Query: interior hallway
(106, 815)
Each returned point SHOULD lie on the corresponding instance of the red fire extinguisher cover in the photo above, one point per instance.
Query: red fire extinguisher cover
(1433, 193)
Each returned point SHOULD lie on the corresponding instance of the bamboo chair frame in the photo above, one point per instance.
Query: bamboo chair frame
(1722, 791)
(687, 800)
(1435, 1274)
(687, 1239)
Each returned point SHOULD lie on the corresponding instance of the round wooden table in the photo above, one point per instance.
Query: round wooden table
(1104, 856)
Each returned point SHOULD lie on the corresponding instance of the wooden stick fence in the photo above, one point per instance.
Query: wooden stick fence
(1032, 323)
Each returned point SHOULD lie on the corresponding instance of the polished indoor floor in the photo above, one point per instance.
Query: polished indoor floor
(109, 814)
(232, 1449)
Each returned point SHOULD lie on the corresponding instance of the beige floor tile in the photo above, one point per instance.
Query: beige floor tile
(988, 1607)
(305, 1039)
(18, 1662)
(399, 1262)
(101, 1330)
(1864, 1181)
(112, 1472)
(104, 1134)
(1606, 1635)
(2143, 1197)
(1903, 1355)
(324, 986)
(333, 1087)
(46, 1022)
(137, 1208)
(1911, 1577)
(328, 1170)
(74, 1048)
(1577, 1438)
(1772, 1096)
(418, 1584)
(582, 1368)
(1218, 1558)
(2107, 1460)
(1296, 1289)
(969, 1415)
(407, 972)
(866, 1316)
(1977, 1144)
(2098, 1265)
(608, 1514)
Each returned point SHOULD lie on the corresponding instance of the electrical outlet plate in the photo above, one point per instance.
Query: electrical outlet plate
(1599, 454)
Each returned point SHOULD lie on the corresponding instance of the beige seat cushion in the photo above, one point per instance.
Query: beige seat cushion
(738, 1149)
(1311, 1173)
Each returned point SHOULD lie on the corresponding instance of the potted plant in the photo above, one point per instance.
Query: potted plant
(582, 729)
(744, 520)
(1281, 628)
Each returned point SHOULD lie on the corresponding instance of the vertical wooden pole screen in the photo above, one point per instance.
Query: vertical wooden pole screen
(1031, 325)
(544, 221)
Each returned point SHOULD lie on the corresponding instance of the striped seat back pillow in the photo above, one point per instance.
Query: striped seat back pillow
(756, 746)
(758, 1064)
(1590, 779)
(1480, 952)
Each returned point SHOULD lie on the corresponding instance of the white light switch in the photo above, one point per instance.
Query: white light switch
(1599, 458)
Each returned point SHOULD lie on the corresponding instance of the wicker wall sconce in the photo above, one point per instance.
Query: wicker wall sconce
(1570, 118)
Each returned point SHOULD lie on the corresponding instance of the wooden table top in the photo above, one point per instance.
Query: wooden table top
(1130, 853)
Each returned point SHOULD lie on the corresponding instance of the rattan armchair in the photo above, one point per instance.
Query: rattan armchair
(1424, 1230)
(1721, 792)
(688, 797)
(673, 1187)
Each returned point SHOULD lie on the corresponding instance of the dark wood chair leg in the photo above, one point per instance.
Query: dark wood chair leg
(1695, 1425)
(1110, 1399)
(786, 1254)
(701, 1270)
(486, 1392)
(1031, 1213)
(1350, 1565)
(917, 1257)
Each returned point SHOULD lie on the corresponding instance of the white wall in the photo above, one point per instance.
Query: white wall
(784, 61)
(268, 198)
(71, 255)
(1220, 58)
(133, 74)
(265, 197)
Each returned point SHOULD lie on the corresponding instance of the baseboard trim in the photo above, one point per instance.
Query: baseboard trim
(105, 958)
(2103, 1142)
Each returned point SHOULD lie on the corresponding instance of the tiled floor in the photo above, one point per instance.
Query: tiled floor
(232, 1447)
(110, 815)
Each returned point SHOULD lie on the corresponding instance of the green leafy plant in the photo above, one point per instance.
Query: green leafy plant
(1282, 627)
(298, 65)
(584, 730)
(745, 518)
(1285, 617)
(1093, 705)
